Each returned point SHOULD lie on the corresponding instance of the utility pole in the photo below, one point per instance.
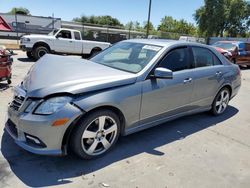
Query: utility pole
(149, 12)
(16, 27)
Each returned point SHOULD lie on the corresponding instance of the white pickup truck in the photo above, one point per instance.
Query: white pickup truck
(60, 41)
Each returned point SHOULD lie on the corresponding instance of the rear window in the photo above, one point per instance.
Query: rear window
(225, 45)
(77, 36)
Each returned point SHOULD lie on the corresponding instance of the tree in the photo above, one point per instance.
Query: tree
(218, 17)
(100, 20)
(169, 24)
(145, 26)
(20, 10)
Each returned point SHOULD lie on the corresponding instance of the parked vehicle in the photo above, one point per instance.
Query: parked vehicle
(60, 41)
(5, 65)
(239, 51)
(131, 86)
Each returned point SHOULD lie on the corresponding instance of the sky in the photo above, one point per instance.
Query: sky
(123, 10)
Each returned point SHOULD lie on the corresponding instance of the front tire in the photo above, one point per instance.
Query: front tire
(40, 51)
(29, 55)
(220, 102)
(95, 134)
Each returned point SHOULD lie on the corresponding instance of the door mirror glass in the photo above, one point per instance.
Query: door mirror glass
(163, 73)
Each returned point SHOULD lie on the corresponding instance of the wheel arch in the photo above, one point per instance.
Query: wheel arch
(41, 43)
(69, 130)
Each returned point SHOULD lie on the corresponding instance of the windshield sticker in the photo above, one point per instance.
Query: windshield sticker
(149, 47)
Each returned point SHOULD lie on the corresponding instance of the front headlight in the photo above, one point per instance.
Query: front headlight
(52, 105)
(25, 39)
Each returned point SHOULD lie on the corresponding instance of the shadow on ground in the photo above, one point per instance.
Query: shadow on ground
(26, 60)
(38, 171)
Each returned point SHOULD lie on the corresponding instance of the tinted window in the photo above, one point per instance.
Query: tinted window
(176, 60)
(77, 35)
(204, 57)
(65, 34)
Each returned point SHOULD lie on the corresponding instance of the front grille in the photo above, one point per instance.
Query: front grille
(12, 127)
(17, 102)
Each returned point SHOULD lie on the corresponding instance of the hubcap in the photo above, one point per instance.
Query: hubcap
(222, 101)
(99, 135)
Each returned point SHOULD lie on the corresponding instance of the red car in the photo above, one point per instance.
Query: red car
(237, 51)
(5, 66)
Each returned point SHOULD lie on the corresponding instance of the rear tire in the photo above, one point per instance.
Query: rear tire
(94, 52)
(40, 51)
(95, 134)
(220, 102)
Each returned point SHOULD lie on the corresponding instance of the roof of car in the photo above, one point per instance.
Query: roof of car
(161, 42)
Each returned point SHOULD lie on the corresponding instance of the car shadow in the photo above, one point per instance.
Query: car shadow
(27, 60)
(38, 171)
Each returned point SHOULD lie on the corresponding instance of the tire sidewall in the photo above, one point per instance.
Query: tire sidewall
(76, 136)
(37, 50)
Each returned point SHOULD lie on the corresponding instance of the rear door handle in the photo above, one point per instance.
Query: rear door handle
(187, 80)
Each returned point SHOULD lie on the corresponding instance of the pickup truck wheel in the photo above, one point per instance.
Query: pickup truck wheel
(40, 51)
(95, 134)
(94, 52)
(29, 55)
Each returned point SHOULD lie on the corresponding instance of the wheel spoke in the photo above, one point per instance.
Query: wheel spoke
(105, 143)
(218, 103)
(88, 134)
(220, 109)
(92, 147)
(111, 129)
(226, 97)
(224, 104)
(101, 122)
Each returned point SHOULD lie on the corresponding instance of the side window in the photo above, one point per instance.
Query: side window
(176, 60)
(216, 60)
(77, 35)
(65, 34)
(203, 57)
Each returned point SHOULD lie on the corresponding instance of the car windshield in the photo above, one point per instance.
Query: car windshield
(53, 32)
(127, 56)
(225, 46)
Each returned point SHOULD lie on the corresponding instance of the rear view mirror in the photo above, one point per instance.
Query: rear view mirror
(163, 73)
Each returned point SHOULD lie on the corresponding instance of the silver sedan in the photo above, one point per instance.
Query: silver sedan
(136, 84)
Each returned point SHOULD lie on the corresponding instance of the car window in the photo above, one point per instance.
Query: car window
(77, 35)
(203, 57)
(176, 60)
(65, 34)
(127, 56)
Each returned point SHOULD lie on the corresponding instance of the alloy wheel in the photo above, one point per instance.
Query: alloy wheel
(222, 101)
(99, 135)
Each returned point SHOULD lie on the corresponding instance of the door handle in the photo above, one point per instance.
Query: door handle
(187, 80)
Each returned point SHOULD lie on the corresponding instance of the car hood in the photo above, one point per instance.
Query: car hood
(59, 74)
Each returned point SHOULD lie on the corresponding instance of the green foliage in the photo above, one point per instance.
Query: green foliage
(99, 20)
(220, 17)
(169, 24)
(19, 10)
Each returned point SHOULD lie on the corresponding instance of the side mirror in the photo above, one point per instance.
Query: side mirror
(59, 35)
(163, 73)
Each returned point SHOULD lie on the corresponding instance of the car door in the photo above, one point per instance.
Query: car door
(64, 42)
(208, 75)
(78, 43)
(167, 97)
